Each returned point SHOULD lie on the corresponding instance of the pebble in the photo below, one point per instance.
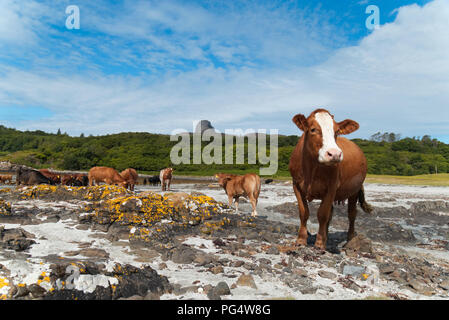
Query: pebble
(246, 280)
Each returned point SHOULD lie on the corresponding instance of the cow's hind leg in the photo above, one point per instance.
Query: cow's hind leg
(236, 200)
(303, 209)
(253, 201)
(352, 213)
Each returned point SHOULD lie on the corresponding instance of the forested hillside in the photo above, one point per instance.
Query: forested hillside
(150, 152)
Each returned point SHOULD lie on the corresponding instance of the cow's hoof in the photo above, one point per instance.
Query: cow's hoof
(254, 214)
(301, 242)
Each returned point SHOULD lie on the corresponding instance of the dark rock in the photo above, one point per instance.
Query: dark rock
(132, 281)
(212, 295)
(36, 290)
(219, 242)
(15, 239)
(386, 268)
(222, 289)
(392, 232)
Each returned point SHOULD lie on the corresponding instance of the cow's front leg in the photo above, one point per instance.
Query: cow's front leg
(324, 216)
(303, 216)
(236, 204)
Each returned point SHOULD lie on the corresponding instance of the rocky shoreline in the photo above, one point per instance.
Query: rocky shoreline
(109, 243)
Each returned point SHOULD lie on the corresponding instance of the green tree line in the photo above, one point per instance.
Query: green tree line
(386, 153)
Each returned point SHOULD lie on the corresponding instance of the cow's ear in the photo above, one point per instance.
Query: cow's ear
(300, 121)
(347, 126)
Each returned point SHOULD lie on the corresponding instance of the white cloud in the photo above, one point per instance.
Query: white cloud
(396, 79)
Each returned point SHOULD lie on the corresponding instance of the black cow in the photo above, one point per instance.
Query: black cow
(30, 177)
(154, 180)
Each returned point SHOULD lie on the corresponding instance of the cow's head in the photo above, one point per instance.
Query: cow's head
(223, 178)
(321, 131)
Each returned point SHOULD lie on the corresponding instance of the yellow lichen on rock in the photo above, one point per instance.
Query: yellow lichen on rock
(5, 207)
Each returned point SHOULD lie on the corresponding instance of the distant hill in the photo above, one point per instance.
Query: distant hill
(149, 152)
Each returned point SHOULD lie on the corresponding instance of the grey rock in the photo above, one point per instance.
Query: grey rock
(353, 271)
(327, 274)
(222, 289)
(273, 250)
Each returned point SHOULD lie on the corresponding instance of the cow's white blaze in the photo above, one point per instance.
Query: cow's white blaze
(327, 129)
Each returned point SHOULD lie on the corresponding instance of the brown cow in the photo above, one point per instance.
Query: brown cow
(68, 180)
(326, 167)
(75, 180)
(165, 176)
(56, 178)
(6, 178)
(235, 186)
(131, 176)
(106, 175)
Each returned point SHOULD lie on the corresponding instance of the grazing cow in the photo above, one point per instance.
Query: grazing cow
(56, 178)
(6, 178)
(106, 175)
(82, 179)
(75, 180)
(68, 180)
(165, 176)
(154, 180)
(31, 177)
(327, 167)
(235, 186)
(131, 176)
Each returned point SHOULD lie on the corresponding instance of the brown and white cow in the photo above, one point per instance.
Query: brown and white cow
(327, 167)
(236, 186)
(131, 176)
(106, 175)
(165, 176)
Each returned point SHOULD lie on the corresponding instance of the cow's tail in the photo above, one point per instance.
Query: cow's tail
(365, 205)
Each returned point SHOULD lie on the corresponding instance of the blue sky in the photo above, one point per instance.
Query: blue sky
(158, 66)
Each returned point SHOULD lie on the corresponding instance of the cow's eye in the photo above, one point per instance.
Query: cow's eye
(313, 130)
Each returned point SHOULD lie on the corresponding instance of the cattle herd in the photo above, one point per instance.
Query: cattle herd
(323, 166)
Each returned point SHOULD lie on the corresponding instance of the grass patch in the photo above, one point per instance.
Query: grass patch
(440, 179)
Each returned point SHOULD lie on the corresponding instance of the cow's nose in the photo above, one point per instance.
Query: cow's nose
(334, 155)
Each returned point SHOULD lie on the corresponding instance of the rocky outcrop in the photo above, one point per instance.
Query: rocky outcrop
(203, 125)
(108, 243)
